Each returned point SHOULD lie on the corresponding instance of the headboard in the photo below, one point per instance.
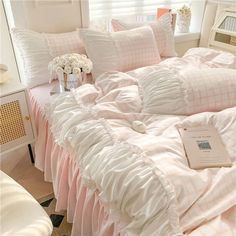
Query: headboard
(51, 16)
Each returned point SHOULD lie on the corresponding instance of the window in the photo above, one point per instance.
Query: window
(102, 11)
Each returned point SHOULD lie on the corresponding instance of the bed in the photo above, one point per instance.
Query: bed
(114, 154)
(84, 187)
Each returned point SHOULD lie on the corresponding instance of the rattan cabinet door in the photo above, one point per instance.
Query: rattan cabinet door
(15, 123)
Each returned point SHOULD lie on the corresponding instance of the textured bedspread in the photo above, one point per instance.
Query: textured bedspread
(143, 178)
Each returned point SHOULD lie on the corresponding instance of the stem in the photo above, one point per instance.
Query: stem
(65, 81)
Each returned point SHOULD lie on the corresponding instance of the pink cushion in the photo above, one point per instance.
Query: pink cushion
(162, 30)
(209, 89)
(63, 43)
(188, 91)
(36, 50)
(120, 51)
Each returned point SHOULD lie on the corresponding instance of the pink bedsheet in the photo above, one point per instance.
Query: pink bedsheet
(84, 210)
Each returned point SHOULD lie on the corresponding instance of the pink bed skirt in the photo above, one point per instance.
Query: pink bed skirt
(84, 209)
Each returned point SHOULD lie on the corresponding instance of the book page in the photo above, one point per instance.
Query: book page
(203, 147)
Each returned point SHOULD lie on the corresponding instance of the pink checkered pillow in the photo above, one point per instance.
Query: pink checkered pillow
(120, 51)
(63, 43)
(162, 30)
(36, 50)
(209, 89)
(189, 91)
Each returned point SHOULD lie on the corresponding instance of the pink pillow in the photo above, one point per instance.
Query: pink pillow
(36, 50)
(63, 43)
(120, 51)
(162, 30)
(188, 91)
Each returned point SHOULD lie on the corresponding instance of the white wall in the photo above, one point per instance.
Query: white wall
(182, 47)
(6, 50)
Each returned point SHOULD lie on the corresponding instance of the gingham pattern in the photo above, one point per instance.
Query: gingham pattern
(223, 224)
(211, 89)
(120, 51)
(187, 91)
(63, 43)
(162, 30)
(36, 50)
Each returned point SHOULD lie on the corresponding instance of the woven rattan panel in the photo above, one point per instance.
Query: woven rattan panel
(11, 122)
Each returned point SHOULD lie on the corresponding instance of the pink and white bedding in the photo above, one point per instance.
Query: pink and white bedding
(115, 180)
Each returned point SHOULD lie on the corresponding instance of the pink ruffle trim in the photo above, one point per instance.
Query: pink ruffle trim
(84, 209)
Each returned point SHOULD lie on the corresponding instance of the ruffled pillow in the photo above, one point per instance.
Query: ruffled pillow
(187, 92)
(36, 50)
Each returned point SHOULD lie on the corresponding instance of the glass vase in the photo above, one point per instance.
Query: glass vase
(183, 23)
(69, 81)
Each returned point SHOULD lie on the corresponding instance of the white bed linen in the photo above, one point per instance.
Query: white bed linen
(144, 179)
(175, 207)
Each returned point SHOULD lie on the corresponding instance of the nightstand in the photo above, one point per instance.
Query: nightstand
(16, 127)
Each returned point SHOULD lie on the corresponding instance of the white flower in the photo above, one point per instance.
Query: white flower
(62, 62)
(184, 11)
(56, 60)
(80, 64)
(83, 56)
(67, 69)
(72, 63)
(86, 69)
(59, 70)
(76, 70)
(68, 64)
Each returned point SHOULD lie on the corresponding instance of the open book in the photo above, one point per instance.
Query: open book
(203, 147)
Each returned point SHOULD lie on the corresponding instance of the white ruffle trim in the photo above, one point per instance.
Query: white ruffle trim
(139, 197)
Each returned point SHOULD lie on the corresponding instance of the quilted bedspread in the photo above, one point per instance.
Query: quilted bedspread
(142, 175)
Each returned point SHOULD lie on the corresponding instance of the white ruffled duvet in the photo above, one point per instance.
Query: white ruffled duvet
(136, 159)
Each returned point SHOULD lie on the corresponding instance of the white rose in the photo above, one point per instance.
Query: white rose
(76, 70)
(72, 59)
(59, 70)
(57, 59)
(86, 69)
(83, 56)
(68, 64)
(80, 64)
(74, 64)
(62, 62)
(67, 69)
(77, 55)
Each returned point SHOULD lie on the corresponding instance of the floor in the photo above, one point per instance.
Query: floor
(17, 165)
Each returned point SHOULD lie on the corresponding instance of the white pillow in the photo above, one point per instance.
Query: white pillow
(168, 91)
(162, 30)
(35, 50)
(121, 51)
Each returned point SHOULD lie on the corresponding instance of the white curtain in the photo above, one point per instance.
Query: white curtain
(101, 11)
(119, 8)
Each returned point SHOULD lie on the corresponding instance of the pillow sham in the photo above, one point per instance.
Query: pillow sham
(162, 30)
(36, 50)
(120, 51)
(167, 91)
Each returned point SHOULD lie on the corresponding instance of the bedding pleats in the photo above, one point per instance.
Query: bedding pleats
(84, 209)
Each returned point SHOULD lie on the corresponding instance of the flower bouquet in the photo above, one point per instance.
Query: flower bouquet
(70, 69)
(183, 19)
